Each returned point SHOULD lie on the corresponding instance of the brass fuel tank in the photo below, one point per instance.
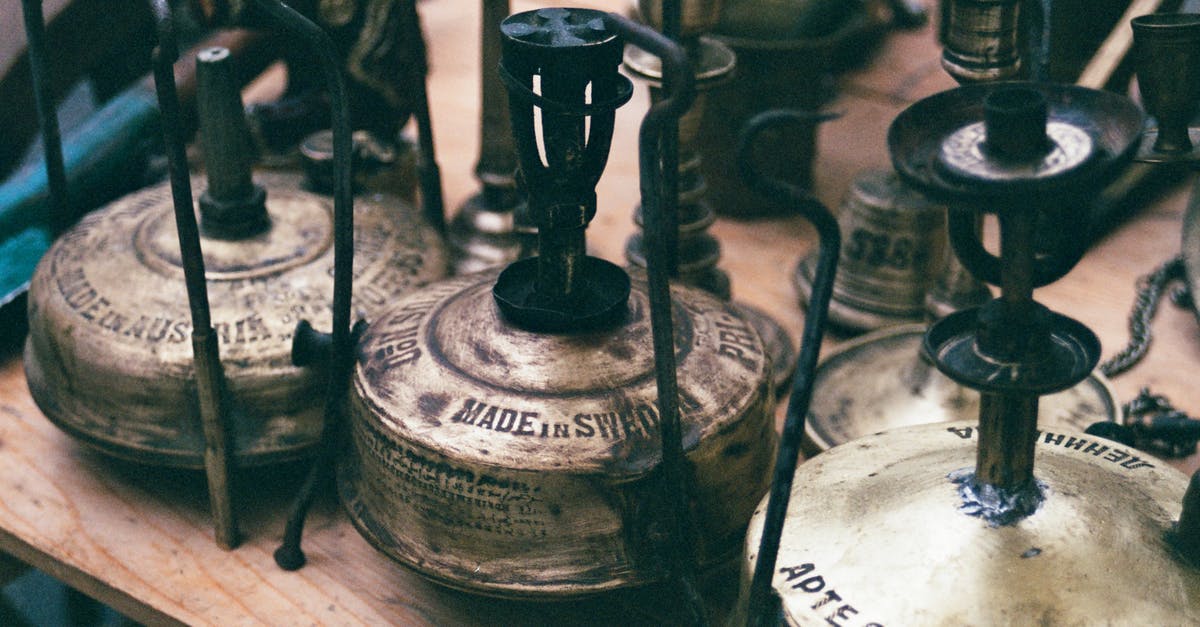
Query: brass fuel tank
(882, 538)
(511, 462)
(109, 357)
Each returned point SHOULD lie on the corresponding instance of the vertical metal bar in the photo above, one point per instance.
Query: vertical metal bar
(210, 379)
(429, 174)
(662, 117)
(289, 555)
(1008, 422)
(761, 611)
(59, 214)
(672, 27)
(497, 151)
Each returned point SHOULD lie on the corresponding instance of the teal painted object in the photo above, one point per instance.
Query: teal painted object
(106, 157)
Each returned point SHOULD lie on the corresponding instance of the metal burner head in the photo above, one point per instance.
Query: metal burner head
(563, 62)
(1167, 54)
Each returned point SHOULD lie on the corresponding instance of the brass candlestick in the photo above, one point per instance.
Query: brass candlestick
(875, 515)
(697, 252)
(492, 228)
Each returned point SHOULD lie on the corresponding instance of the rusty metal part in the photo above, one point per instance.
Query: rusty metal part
(108, 358)
(59, 212)
(214, 89)
(875, 534)
(895, 243)
(814, 329)
(881, 381)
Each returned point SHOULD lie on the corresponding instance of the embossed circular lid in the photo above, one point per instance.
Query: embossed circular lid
(515, 463)
(444, 355)
(109, 355)
(876, 533)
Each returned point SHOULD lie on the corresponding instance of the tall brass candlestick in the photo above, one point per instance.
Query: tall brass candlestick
(697, 252)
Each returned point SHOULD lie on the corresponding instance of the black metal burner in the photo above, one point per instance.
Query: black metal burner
(574, 58)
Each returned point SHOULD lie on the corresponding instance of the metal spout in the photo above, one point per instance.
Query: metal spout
(233, 206)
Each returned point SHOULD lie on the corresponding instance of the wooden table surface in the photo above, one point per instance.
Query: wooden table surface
(140, 539)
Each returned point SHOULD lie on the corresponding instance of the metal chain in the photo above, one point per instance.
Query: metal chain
(1150, 291)
(1151, 422)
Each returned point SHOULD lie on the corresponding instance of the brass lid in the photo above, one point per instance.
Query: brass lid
(109, 356)
(516, 463)
(881, 381)
(874, 533)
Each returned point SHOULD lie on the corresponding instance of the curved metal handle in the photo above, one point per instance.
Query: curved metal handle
(1049, 266)
(289, 555)
(760, 611)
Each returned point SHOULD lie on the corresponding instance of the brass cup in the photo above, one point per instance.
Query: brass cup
(1167, 57)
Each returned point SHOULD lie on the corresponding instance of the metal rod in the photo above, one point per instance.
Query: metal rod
(1008, 422)
(657, 204)
(497, 152)
(761, 612)
(672, 26)
(429, 174)
(210, 378)
(289, 555)
(58, 216)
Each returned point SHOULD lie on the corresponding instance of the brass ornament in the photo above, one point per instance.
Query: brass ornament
(881, 381)
(516, 463)
(109, 359)
(880, 539)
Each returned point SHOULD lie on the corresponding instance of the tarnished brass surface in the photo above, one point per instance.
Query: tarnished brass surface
(109, 358)
(881, 381)
(874, 535)
(895, 241)
(521, 464)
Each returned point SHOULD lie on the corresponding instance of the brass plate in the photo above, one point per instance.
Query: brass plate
(880, 382)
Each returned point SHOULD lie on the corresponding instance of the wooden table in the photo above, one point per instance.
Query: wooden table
(141, 541)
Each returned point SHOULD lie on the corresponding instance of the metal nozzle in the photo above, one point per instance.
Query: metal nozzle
(232, 206)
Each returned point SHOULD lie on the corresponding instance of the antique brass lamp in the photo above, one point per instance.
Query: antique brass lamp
(504, 428)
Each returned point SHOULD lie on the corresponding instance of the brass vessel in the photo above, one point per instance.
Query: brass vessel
(507, 430)
(894, 245)
(109, 357)
(518, 463)
(875, 534)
